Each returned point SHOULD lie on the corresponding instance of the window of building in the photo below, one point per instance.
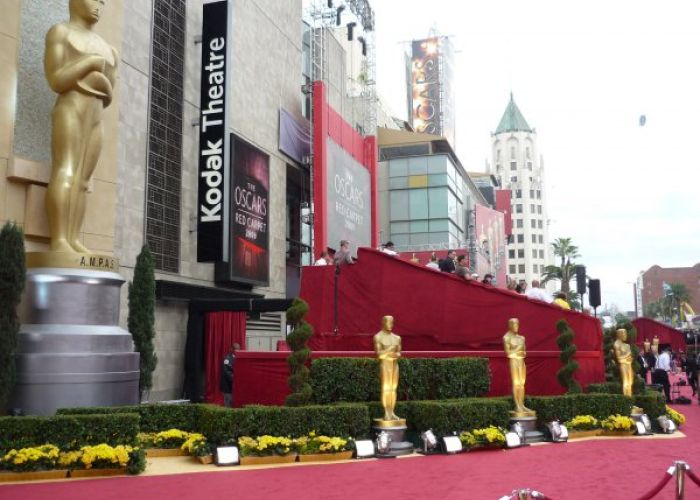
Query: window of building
(521, 268)
(519, 223)
(418, 204)
(518, 193)
(418, 165)
(521, 253)
(527, 153)
(540, 238)
(532, 193)
(518, 208)
(164, 163)
(521, 238)
(511, 253)
(534, 238)
(541, 254)
(534, 268)
(498, 155)
(513, 165)
(512, 152)
(534, 254)
(514, 178)
(398, 167)
(511, 269)
(539, 209)
(539, 194)
(529, 165)
(539, 224)
(398, 205)
(533, 223)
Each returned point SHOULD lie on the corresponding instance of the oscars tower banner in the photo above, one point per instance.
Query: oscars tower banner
(212, 205)
(491, 244)
(345, 181)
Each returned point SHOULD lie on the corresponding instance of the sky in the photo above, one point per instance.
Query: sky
(582, 73)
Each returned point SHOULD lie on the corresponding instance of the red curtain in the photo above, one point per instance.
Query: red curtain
(222, 329)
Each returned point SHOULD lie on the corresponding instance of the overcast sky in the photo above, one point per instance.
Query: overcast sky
(582, 73)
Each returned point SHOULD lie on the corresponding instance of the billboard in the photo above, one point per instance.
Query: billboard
(431, 90)
(212, 200)
(490, 244)
(249, 259)
(349, 213)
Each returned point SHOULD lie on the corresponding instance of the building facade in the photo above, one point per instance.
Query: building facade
(519, 167)
(650, 285)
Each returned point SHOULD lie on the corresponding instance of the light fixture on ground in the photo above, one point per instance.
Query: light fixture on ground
(227, 455)
(451, 444)
(666, 424)
(429, 443)
(642, 425)
(383, 443)
(364, 448)
(557, 432)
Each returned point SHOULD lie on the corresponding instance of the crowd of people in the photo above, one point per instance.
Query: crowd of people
(656, 368)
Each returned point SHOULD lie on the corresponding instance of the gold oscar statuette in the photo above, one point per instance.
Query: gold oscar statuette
(514, 347)
(623, 358)
(387, 346)
(81, 68)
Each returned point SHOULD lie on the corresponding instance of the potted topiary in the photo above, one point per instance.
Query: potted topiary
(313, 448)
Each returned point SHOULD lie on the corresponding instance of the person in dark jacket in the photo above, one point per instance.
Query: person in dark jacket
(226, 382)
(691, 370)
(447, 265)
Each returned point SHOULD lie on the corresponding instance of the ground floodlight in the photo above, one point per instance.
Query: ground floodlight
(518, 428)
(647, 422)
(364, 448)
(513, 440)
(429, 442)
(227, 455)
(559, 433)
(383, 443)
(452, 444)
(666, 424)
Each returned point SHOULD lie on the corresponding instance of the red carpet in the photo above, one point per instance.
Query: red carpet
(619, 469)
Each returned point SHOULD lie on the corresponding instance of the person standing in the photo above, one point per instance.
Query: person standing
(447, 265)
(433, 264)
(226, 383)
(537, 293)
(461, 269)
(663, 367)
(691, 371)
(560, 300)
(389, 249)
(324, 259)
(343, 256)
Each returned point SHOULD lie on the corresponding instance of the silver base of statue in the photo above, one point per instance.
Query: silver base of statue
(71, 351)
(398, 446)
(529, 424)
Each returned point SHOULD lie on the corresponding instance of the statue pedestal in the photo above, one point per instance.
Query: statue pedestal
(529, 424)
(396, 429)
(71, 350)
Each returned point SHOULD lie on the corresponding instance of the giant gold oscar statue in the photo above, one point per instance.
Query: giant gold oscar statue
(623, 358)
(387, 345)
(514, 346)
(81, 68)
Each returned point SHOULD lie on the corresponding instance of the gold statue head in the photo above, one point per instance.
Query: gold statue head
(513, 325)
(387, 323)
(88, 11)
(621, 334)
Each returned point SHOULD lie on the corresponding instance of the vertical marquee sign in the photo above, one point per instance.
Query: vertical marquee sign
(213, 194)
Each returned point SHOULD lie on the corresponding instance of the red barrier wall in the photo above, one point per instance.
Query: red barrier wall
(647, 328)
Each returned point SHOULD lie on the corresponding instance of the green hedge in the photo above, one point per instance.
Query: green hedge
(356, 379)
(653, 403)
(68, 432)
(605, 388)
(154, 417)
(221, 424)
(566, 407)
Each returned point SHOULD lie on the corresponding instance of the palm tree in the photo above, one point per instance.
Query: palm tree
(566, 270)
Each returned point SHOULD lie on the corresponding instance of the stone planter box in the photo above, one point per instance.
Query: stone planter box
(573, 434)
(272, 459)
(326, 457)
(117, 471)
(206, 459)
(165, 452)
(33, 475)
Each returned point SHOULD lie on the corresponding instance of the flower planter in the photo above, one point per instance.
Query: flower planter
(206, 459)
(326, 457)
(483, 448)
(574, 434)
(618, 433)
(33, 475)
(272, 459)
(115, 471)
(165, 452)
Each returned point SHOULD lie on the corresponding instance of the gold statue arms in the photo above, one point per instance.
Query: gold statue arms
(64, 77)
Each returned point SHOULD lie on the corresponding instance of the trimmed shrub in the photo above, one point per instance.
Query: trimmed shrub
(12, 280)
(652, 402)
(141, 320)
(565, 341)
(154, 417)
(568, 406)
(298, 372)
(605, 388)
(445, 417)
(68, 432)
(356, 379)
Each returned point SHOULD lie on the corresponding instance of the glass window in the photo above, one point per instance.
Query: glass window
(533, 223)
(534, 268)
(539, 194)
(417, 181)
(437, 203)
(452, 207)
(529, 165)
(418, 165)
(437, 180)
(540, 238)
(398, 202)
(521, 253)
(513, 165)
(527, 152)
(514, 178)
(534, 254)
(418, 203)
(435, 238)
(451, 172)
(437, 164)
(532, 209)
(400, 240)
(532, 193)
(521, 238)
(541, 254)
(519, 223)
(398, 167)
(438, 225)
(521, 268)
(518, 193)
(541, 269)
(398, 182)
(512, 152)
(498, 155)
(534, 238)
(539, 224)
(419, 238)
(539, 209)
(511, 269)
(511, 253)
(399, 227)
(519, 208)
(419, 226)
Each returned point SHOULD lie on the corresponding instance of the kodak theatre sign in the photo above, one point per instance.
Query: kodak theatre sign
(212, 211)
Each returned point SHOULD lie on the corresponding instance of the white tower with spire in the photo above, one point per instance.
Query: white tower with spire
(520, 168)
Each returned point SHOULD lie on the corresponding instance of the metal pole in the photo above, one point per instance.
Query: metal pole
(680, 479)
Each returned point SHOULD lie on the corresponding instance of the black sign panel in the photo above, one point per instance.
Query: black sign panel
(212, 202)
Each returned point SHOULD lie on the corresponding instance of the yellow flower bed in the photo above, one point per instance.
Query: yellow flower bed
(196, 445)
(677, 417)
(582, 423)
(49, 457)
(264, 446)
(43, 457)
(172, 438)
(491, 436)
(617, 423)
(312, 444)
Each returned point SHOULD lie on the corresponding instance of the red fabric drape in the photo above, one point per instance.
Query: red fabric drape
(222, 329)
(647, 328)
